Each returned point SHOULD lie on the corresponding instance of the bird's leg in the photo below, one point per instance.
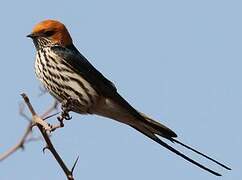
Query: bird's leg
(66, 108)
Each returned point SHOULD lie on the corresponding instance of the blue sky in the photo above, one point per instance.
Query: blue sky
(178, 61)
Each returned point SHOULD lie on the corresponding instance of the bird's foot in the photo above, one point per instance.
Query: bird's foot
(65, 109)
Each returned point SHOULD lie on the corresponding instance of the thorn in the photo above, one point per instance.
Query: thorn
(73, 168)
(45, 148)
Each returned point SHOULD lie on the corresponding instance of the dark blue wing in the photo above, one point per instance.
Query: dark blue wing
(78, 63)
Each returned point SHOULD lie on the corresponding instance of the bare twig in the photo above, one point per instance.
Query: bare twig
(21, 112)
(25, 138)
(42, 127)
(19, 145)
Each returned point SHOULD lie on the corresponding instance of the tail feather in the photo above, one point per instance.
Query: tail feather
(200, 153)
(149, 127)
(158, 128)
(159, 141)
(152, 128)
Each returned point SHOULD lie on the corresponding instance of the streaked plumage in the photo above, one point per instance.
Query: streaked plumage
(65, 73)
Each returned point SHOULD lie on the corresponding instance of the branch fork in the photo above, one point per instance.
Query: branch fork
(45, 130)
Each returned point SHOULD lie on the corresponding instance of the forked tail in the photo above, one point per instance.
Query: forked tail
(200, 153)
(152, 128)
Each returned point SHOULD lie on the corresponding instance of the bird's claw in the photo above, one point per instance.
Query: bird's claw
(66, 108)
(64, 116)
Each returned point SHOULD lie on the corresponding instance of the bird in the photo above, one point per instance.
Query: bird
(69, 77)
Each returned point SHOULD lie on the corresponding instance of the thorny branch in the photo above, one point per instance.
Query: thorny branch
(19, 145)
(27, 136)
(44, 128)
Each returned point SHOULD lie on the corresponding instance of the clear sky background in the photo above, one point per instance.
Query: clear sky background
(178, 61)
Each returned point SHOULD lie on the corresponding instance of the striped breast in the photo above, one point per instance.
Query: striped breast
(62, 82)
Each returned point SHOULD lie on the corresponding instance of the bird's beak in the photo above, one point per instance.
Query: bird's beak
(32, 35)
(29, 36)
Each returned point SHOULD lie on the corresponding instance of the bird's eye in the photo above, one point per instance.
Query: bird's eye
(48, 33)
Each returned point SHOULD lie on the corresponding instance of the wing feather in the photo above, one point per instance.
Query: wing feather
(78, 63)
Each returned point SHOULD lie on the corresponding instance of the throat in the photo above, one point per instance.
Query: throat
(41, 42)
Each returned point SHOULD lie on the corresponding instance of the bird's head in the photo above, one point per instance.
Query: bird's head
(50, 32)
